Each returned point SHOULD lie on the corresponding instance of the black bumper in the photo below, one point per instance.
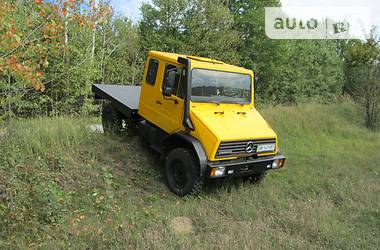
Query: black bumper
(243, 167)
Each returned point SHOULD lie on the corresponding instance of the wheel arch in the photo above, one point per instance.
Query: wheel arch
(184, 140)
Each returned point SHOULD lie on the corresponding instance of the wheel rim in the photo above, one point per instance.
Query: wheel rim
(179, 173)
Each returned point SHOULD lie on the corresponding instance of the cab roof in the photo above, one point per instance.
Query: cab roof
(199, 62)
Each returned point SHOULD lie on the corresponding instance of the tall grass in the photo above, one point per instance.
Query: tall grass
(37, 137)
(63, 186)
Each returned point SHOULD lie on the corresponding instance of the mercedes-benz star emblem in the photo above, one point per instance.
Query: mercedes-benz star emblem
(250, 147)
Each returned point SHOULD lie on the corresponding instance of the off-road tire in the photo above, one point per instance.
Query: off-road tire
(182, 172)
(112, 120)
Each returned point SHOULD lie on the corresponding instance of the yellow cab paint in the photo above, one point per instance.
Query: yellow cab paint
(153, 107)
(213, 123)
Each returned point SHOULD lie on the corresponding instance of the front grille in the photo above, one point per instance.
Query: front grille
(239, 148)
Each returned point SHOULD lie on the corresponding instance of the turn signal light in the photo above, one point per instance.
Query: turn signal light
(281, 163)
(217, 172)
(278, 163)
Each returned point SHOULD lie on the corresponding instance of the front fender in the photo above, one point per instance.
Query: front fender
(191, 142)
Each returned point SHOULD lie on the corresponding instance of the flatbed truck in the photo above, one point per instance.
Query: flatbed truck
(199, 115)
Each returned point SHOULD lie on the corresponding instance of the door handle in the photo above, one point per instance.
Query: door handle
(158, 102)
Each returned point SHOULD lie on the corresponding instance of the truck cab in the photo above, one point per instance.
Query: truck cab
(199, 114)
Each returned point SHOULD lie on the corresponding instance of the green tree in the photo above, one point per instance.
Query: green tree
(161, 25)
(362, 75)
(52, 51)
(120, 58)
(265, 56)
(289, 71)
(203, 28)
(314, 71)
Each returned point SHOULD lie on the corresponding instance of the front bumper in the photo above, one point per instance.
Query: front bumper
(243, 167)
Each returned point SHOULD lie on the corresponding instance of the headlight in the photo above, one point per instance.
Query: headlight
(270, 147)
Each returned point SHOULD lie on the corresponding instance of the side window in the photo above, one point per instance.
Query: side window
(152, 72)
(181, 85)
(177, 82)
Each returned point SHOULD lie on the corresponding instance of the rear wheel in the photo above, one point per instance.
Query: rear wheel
(183, 172)
(112, 120)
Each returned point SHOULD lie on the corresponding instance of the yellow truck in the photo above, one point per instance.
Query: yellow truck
(199, 115)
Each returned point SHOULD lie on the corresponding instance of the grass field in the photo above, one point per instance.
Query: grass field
(62, 186)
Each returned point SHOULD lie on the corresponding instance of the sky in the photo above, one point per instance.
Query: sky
(131, 8)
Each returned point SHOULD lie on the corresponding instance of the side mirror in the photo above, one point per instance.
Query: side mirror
(169, 83)
(167, 91)
(257, 78)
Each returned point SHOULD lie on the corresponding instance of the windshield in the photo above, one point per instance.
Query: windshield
(220, 87)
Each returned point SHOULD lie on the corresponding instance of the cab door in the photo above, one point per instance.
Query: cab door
(171, 108)
(150, 91)
(164, 112)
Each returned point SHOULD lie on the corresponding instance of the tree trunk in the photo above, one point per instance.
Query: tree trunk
(9, 99)
(102, 67)
(94, 36)
(93, 41)
(134, 69)
(66, 33)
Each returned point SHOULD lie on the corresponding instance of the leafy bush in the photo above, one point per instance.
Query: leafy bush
(362, 75)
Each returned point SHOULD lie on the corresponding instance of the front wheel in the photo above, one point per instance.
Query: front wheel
(183, 172)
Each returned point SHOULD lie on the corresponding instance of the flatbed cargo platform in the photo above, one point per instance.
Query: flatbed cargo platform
(124, 98)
